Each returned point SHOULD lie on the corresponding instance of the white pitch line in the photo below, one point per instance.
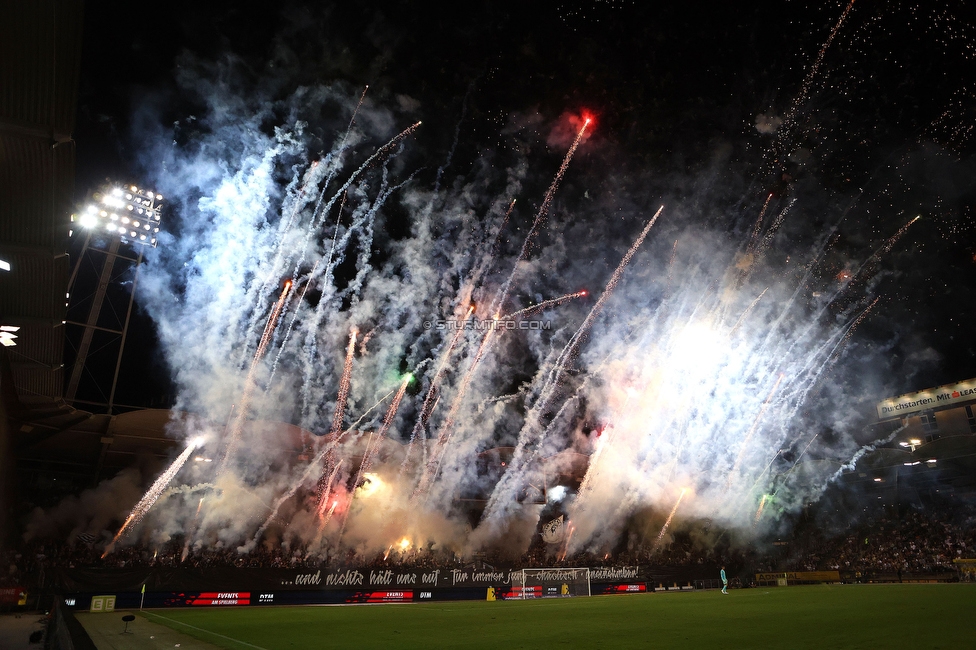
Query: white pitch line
(229, 638)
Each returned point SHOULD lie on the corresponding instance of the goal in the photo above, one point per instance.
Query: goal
(551, 583)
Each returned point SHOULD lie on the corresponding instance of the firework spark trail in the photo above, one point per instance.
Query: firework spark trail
(572, 347)
(313, 466)
(532, 430)
(332, 248)
(331, 169)
(291, 323)
(384, 429)
(667, 288)
(371, 447)
(752, 430)
(379, 153)
(355, 112)
(274, 270)
(860, 318)
(153, 493)
(888, 245)
(593, 467)
(667, 522)
(335, 231)
(340, 408)
(447, 428)
(768, 237)
(433, 463)
(570, 529)
(833, 356)
(758, 227)
(269, 328)
(867, 267)
(746, 313)
(540, 217)
(496, 245)
(365, 223)
(814, 69)
(770, 464)
(834, 341)
(430, 399)
(852, 463)
(331, 464)
(315, 223)
(190, 531)
(545, 304)
(759, 511)
(327, 490)
(325, 519)
(363, 267)
(485, 263)
(250, 382)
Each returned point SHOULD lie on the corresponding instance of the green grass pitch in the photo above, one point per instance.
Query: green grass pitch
(829, 616)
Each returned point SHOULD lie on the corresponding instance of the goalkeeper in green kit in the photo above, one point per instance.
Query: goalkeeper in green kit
(725, 582)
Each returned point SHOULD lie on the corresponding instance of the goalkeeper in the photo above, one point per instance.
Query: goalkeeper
(725, 582)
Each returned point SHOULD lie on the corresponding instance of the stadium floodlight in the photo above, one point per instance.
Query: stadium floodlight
(7, 336)
(132, 214)
(4, 265)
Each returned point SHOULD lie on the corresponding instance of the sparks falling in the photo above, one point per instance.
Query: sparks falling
(153, 493)
(340, 408)
(667, 522)
(759, 510)
(540, 216)
(699, 357)
(251, 379)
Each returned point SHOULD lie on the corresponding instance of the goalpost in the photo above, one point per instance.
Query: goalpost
(552, 583)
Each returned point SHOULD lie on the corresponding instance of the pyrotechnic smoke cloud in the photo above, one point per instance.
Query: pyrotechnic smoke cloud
(711, 361)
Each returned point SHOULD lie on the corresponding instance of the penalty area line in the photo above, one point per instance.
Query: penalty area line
(229, 638)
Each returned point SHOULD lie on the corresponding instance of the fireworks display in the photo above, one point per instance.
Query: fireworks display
(153, 493)
(417, 317)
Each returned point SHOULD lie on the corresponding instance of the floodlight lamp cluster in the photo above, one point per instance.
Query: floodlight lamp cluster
(127, 212)
(7, 335)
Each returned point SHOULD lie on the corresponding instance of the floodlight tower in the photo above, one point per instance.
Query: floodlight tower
(120, 214)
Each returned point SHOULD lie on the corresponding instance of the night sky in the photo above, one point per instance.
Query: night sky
(885, 130)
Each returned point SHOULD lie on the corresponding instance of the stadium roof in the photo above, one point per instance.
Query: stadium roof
(40, 45)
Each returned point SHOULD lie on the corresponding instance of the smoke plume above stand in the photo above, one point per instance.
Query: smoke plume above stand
(356, 326)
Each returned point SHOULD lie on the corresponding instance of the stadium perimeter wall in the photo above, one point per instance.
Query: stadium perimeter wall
(230, 586)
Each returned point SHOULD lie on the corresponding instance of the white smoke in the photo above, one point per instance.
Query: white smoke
(710, 365)
(768, 124)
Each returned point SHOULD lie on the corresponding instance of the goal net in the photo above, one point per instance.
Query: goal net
(551, 583)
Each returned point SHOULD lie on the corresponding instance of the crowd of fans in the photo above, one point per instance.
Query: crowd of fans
(914, 542)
